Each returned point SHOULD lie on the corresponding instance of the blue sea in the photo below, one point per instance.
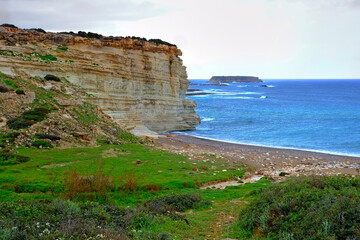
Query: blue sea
(316, 115)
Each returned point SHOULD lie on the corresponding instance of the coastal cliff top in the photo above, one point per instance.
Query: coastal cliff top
(230, 79)
(12, 35)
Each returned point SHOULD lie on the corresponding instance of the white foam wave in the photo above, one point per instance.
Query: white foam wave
(263, 97)
(246, 93)
(205, 119)
(270, 86)
(240, 98)
(242, 86)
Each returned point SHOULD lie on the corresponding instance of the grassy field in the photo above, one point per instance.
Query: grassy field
(133, 175)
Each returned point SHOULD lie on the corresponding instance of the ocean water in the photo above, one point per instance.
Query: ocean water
(317, 115)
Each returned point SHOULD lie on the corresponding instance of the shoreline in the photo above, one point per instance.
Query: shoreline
(274, 147)
(262, 160)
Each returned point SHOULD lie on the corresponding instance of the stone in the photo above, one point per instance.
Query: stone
(136, 83)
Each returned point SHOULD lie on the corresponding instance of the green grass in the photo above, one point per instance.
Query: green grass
(169, 171)
(43, 178)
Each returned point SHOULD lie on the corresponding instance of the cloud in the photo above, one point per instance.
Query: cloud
(329, 3)
(76, 14)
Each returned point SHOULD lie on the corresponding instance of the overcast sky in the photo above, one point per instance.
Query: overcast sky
(264, 38)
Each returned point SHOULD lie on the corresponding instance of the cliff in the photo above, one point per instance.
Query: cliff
(230, 79)
(140, 84)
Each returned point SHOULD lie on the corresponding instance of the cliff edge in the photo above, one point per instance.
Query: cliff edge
(230, 79)
(140, 84)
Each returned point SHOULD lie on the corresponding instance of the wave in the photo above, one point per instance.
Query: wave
(250, 93)
(242, 86)
(263, 97)
(240, 98)
(205, 119)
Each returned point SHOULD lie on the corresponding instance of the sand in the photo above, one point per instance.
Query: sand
(265, 161)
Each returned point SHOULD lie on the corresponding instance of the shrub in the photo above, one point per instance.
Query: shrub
(20, 92)
(38, 30)
(37, 114)
(47, 136)
(62, 48)
(153, 187)
(131, 183)
(305, 208)
(8, 25)
(179, 202)
(11, 159)
(18, 123)
(159, 41)
(50, 77)
(44, 57)
(3, 89)
(42, 144)
(87, 186)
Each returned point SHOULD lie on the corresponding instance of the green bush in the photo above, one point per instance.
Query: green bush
(50, 77)
(180, 203)
(305, 208)
(11, 159)
(20, 92)
(42, 144)
(47, 136)
(44, 57)
(59, 219)
(62, 48)
(18, 123)
(37, 114)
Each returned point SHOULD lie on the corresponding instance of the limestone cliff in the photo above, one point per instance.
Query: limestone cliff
(136, 82)
(230, 79)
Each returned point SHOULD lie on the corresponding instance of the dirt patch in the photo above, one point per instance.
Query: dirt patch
(58, 165)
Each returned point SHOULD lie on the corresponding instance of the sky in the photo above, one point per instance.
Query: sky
(270, 39)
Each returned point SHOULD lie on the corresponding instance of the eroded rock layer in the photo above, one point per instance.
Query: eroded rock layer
(134, 81)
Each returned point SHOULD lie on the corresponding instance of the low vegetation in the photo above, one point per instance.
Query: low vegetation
(305, 208)
(50, 77)
(28, 118)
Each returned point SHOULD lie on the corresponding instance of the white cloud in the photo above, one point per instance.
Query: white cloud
(266, 38)
(76, 14)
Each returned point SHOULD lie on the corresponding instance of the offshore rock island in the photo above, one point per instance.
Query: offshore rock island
(231, 79)
(139, 83)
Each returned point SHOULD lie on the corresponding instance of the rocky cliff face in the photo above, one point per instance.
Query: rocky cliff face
(138, 83)
(230, 79)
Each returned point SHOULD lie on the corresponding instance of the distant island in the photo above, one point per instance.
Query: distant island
(230, 79)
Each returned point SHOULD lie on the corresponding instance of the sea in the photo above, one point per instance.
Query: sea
(316, 115)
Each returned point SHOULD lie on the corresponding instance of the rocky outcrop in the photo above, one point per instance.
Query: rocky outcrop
(137, 83)
(231, 79)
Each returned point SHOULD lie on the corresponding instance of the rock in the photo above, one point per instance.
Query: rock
(231, 79)
(68, 102)
(81, 135)
(135, 82)
(195, 169)
(172, 135)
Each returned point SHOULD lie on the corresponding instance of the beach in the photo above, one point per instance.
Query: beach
(262, 161)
